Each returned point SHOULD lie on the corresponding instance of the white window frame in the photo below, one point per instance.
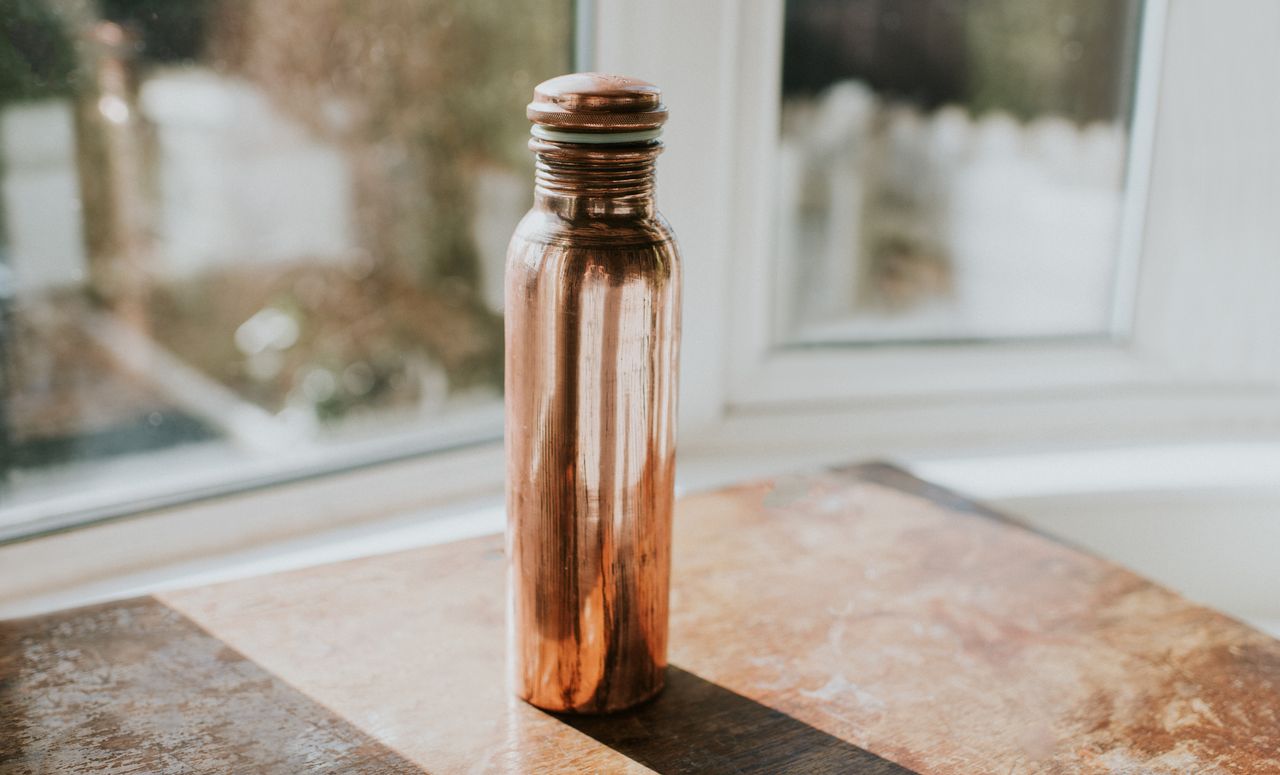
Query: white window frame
(762, 373)
(720, 65)
(1201, 358)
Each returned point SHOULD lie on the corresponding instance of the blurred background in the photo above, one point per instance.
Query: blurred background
(248, 238)
(251, 253)
(953, 170)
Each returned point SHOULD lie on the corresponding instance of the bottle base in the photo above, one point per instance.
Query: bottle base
(592, 708)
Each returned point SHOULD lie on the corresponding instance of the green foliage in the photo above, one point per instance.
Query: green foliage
(37, 56)
(449, 74)
(173, 30)
(421, 92)
(1049, 57)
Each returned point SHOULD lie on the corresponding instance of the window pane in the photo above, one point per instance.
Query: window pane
(952, 169)
(247, 239)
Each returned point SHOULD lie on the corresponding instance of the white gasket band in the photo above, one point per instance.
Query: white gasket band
(594, 138)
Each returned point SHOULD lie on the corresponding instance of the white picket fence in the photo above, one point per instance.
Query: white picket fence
(1012, 227)
(239, 181)
(236, 181)
(40, 194)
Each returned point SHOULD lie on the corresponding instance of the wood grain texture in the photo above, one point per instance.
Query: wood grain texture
(932, 634)
(819, 616)
(135, 687)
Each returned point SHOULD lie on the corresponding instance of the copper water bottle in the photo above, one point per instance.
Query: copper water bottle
(592, 333)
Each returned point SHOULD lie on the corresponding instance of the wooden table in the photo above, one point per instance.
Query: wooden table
(856, 620)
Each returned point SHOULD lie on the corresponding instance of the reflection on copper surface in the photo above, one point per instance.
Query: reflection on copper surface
(592, 326)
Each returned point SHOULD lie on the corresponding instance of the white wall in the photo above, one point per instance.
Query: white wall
(1212, 244)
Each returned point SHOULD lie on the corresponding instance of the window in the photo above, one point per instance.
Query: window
(1190, 350)
(1170, 330)
(952, 169)
(247, 240)
(1164, 344)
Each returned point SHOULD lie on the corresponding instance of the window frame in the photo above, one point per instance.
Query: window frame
(766, 373)
(1174, 378)
(720, 66)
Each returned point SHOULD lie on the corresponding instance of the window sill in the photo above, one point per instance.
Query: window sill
(1144, 506)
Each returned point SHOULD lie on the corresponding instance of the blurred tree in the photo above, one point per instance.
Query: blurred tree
(910, 50)
(1071, 58)
(37, 60)
(37, 56)
(419, 91)
(171, 30)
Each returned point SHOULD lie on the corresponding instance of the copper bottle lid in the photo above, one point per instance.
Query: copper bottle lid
(595, 104)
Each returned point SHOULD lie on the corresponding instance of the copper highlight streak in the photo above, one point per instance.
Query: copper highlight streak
(592, 328)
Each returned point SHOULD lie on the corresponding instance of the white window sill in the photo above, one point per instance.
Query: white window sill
(1175, 513)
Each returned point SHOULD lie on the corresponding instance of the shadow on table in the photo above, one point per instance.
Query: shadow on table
(698, 726)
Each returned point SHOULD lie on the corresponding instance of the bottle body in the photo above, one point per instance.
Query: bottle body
(592, 337)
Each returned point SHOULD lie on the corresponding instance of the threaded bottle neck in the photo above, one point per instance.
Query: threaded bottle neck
(581, 181)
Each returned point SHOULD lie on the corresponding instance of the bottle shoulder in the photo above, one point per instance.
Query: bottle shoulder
(541, 226)
(621, 251)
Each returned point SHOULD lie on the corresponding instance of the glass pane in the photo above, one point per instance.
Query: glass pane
(952, 169)
(250, 239)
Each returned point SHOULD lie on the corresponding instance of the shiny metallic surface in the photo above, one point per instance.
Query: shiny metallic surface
(596, 102)
(592, 334)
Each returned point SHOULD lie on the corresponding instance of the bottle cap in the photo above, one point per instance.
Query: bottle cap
(597, 108)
